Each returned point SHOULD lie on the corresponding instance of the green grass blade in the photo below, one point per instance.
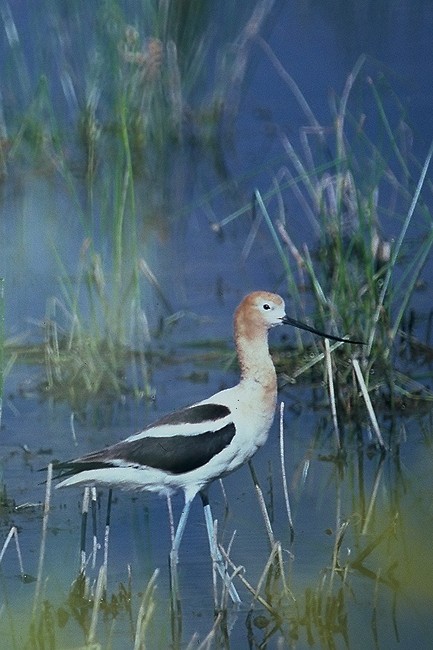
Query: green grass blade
(397, 247)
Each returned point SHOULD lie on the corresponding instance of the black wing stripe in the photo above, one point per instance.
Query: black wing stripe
(72, 467)
(174, 454)
(194, 415)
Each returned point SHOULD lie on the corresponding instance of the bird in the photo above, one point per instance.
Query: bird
(191, 447)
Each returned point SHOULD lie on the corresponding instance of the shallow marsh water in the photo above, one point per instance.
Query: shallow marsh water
(383, 600)
(382, 595)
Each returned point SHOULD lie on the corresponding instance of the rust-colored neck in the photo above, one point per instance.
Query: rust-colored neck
(251, 338)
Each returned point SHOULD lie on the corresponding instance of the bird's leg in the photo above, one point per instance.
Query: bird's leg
(170, 518)
(214, 550)
(176, 617)
(174, 553)
(180, 530)
(107, 527)
(94, 526)
(84, 514)
(262, 505)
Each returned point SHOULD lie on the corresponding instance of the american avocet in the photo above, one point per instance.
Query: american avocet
(189, 448)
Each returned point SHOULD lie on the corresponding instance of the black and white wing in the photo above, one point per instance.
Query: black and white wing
(177, 443)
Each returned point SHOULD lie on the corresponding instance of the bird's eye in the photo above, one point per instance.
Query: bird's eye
(266, 306)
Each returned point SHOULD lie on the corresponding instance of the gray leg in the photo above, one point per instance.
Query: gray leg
(181, 526)
(179, 533)
(174, 555)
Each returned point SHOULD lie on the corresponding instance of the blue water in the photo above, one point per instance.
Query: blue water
(318, 46)
(204, 275)
(319, 496)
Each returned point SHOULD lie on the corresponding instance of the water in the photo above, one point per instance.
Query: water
(381, 596)
(384, 503)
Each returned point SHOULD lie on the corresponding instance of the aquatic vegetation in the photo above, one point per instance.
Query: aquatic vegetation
(342, 552)
(134, 95)
(343, 187)
(150, 70)
(362, 563)
(113, 122)
(88, 356)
